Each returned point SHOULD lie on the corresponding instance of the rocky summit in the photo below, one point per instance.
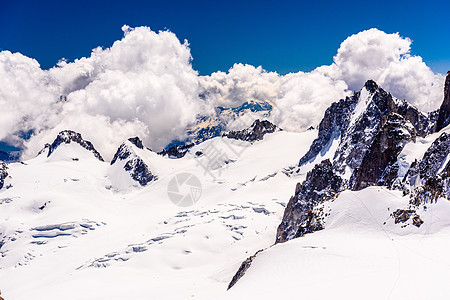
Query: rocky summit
(363, 136)
(255, 132)
(67, 137)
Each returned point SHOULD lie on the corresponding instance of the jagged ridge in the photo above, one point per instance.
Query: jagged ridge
(371, 128)
(255, 132)
(68, 136)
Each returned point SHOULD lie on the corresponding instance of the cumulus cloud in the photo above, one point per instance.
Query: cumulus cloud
(241, 83)
(144, 85)
(305, 98)
(26, 97)
(386, 59)
(301, 98)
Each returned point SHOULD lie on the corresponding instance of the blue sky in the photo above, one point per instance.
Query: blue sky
(283, 36)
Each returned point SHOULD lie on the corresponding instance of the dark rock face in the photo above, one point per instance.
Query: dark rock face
(429, 178)
(3, 173)
(68, 136)
(367, 118)
(444, 111)
(178, 151)
(134, 165)
(139, 171)
(137, 142)
(378, 162)
(255, 132)
(332, 126)
(321, 184)
(403, 215)
(242, 269)
(424, 124)
(432, 160)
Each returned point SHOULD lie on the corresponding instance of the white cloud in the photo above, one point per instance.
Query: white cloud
(26, 96)
(386, 59)
(241, 83)
(144, 85)
(305, 98)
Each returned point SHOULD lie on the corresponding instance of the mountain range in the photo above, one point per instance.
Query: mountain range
(357, 208)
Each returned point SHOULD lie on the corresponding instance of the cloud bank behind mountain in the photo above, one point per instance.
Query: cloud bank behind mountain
(145, 85)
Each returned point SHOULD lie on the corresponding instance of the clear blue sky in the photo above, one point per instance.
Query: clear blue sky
(281, 36)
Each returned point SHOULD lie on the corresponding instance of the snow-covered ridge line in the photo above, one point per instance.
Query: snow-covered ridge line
(255, 132)
(67, 137)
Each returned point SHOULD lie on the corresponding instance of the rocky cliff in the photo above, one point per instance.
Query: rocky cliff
(444, 111)
(253, 133)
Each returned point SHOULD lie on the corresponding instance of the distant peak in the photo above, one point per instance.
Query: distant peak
(68, 136)
(371, 85)
(137, 142)
(253, 133)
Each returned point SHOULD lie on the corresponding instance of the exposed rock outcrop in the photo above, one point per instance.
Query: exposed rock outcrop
(378, 164)
(253, 133)
(429, 178)
(67, 137)
(137, 142)
(242, 269)
(444, 111)
(403, 215)
(3, 173)
(321, 184)
(432, 160)
(133, 164)
(332, 126)
(355, 121)
(177, 151)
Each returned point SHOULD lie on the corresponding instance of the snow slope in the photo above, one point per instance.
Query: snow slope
(69, 232)
(362, 254)
(71, 229)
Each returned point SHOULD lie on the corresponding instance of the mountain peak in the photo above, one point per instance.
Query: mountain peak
(371, 85)
(255, 132)
(127, 158)
(69, 136)
(137, 142)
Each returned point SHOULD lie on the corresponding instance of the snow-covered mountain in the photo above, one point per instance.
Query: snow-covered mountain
(368, 217)
(358, 143)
